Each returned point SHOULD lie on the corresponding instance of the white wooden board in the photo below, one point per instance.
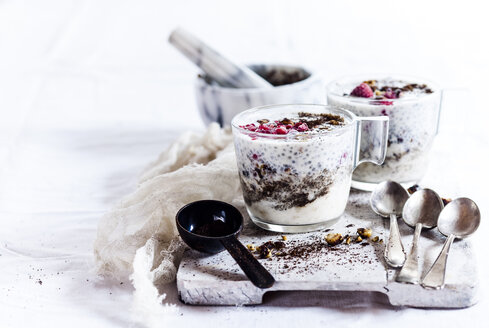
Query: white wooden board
(218, 280)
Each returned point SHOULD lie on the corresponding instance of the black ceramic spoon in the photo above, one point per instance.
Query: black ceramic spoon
(210, 226)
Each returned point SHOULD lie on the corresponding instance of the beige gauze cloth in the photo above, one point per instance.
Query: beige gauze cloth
(138, 237)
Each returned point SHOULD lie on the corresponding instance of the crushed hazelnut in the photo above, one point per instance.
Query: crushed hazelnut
(265, 252)
(381, 241)
(446, 201)
(348, 240)
(334, 239)
(375, 239)
(251, 247)
(284, 238)
(370, 83)
(411, 190)
(358, 240)
(364, 232)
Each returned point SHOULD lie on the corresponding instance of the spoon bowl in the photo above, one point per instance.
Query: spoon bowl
(203, 223)
(424, 206)
(420, 211)
(461, 217)
(387, 200)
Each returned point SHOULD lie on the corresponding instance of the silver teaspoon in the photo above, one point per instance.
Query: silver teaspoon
(459, 219)
(387, 200)
(420, 211)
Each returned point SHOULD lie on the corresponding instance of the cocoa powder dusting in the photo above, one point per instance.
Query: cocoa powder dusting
(302, 256)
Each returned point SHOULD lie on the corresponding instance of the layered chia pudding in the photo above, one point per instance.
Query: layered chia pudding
(413, 110)
(295, 164)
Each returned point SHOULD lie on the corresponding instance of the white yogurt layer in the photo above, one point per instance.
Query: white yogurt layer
(295, 180)
(413, 121)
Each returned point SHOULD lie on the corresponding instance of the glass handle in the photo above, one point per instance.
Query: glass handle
(438, 112)
(371, 140)
(451, 100)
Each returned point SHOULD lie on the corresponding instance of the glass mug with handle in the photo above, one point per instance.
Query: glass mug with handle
(295, 162)
(413, 108)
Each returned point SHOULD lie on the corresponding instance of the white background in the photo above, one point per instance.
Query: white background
(90, 91)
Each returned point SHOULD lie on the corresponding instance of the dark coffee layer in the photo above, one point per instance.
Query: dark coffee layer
(285, 190)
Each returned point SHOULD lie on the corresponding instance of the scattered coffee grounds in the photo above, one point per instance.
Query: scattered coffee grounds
(216, 228)
(302, 256)
(288, 191)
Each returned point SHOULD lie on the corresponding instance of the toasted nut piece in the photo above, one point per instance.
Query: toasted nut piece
(381, 241)
(348, 240)
(446, 201)
(364, 232)
(334, 239)
(375, 239)
(358, 240)
(411, 190)
(251, 247)
(378, 92)
(370, 83)
(284, 238)
(265, 252)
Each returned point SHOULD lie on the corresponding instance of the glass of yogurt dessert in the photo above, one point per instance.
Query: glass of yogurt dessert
(413, 107)
(295, 162)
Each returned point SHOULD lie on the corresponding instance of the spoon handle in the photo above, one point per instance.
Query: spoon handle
(435, 278)
(257, 274)
(394, 252)
(409, 272)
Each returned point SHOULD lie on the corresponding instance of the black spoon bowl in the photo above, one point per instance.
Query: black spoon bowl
(210, 226)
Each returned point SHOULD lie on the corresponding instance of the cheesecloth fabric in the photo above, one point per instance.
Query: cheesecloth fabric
(138, 237)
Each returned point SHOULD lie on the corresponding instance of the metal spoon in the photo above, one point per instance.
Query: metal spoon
(459, 219)
(420, 211)
(211, 226)
(387, 200)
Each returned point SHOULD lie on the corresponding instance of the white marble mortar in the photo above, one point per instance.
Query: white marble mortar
(219, 104)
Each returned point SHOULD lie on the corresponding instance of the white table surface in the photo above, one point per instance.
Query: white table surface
(90, 92)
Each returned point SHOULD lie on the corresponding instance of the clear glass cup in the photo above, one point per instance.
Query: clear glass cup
(413, 124)
(301, 181)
